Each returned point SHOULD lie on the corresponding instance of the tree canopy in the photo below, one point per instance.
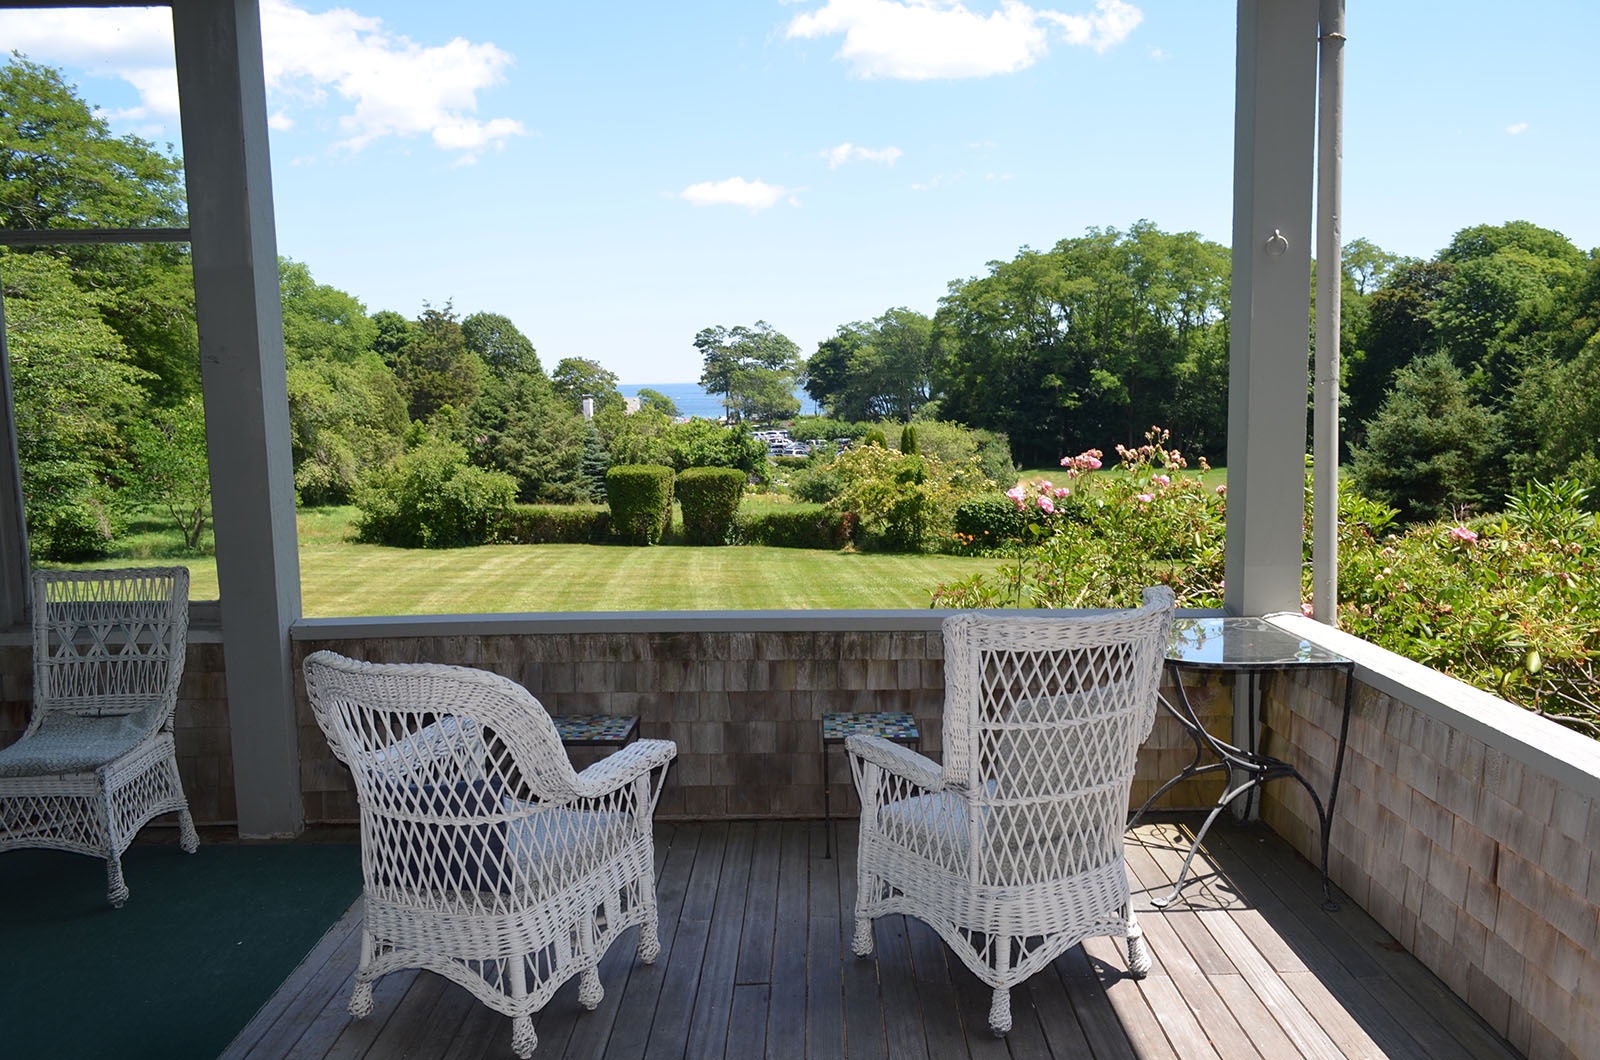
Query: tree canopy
(754, 368)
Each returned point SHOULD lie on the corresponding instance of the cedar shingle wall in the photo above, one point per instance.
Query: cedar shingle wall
(1482, 866)
(744, 709)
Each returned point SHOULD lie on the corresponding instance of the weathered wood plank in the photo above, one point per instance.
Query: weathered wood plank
(713, 1003)
(786, 1025)
(1247, 965)
(284, 1018)
(637, 1006)
(760, 907)
(747, 1023)
(675, 1005)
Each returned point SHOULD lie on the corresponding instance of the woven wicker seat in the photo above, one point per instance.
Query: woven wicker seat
(96, 762)
(1012, 851)
(486, 858)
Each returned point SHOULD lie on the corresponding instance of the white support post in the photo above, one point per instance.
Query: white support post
(240, 315)
(1274, 137)
(1330, 270)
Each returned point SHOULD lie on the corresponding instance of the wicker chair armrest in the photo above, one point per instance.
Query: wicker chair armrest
(898, 759)
(622, 767)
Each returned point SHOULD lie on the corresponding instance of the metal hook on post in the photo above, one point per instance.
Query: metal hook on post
(1276, 244)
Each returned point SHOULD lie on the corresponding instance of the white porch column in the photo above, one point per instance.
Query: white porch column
(1274, 135)
(240, 316)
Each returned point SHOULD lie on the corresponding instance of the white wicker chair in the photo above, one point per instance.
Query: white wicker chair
(96, 762)
(1012, 851)
(486, 858)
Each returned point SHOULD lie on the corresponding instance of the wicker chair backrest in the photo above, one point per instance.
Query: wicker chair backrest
(109, 642)
(1043, 722)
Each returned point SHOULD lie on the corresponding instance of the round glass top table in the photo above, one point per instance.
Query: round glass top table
(1253, 647)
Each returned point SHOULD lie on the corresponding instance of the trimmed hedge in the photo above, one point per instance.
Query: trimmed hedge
(640, 496)
(555, 524)
(710, 499)
(796, 526)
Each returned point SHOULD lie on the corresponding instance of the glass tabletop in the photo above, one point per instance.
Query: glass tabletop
(1243, 644)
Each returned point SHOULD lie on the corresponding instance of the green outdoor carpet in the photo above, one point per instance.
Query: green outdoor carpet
(177, 972)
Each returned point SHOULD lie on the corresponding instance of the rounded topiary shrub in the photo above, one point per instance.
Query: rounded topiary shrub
(640, 496)
(710, 498)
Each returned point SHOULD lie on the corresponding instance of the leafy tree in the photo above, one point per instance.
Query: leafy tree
(345, 420)
(60, 166)
(1553, 420)
(74, 390)
(576, 378)
(497, 342)
(1369, 266)
(1430, 450)
(436, 369)
(1092, 340)
(702, 443)
(655, 399)
(319, 321)
(872, 370)
(1398, 329)
(753, 368)
(392, 335)
(169, 465)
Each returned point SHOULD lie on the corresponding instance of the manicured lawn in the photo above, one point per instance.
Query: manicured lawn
(338, 578)
(373, 580)
(349, 580)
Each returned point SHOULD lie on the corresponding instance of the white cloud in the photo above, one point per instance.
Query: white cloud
(848, 152)
(1518, 129)
(754, 195)
(378, 83)
(919, 40)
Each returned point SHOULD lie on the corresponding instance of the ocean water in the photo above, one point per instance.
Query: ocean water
(693, 401)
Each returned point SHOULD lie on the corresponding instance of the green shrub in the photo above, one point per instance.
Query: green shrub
(76, 532)
(430, 497)
(985, 523)
(555, 524)
(908, 440)
(955, 444)
(900, 503)
(640, 496)
(795, 526)
(875, 437)
(710, 499)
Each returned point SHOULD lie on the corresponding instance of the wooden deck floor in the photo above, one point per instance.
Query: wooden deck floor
(755, 927)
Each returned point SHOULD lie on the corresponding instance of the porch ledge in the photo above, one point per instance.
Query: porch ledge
(1567, 757)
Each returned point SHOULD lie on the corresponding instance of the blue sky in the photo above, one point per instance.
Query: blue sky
(615, 177)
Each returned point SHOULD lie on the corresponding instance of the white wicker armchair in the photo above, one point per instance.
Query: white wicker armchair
(486, 858)
(96, 762)
(1012, 851)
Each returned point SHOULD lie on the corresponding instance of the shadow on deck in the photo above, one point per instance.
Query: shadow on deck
(755, 928)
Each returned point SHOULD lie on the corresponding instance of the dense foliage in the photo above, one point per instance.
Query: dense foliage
(709, 497)
(640, 496)
(431, 497)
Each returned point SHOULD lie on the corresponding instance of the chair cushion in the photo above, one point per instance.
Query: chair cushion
(74, 743)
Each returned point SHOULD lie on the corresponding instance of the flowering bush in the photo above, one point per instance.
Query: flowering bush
(903, 502)
(1510, 603)
(1097, 537)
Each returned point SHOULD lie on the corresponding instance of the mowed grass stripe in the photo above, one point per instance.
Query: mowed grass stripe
(354, 580)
